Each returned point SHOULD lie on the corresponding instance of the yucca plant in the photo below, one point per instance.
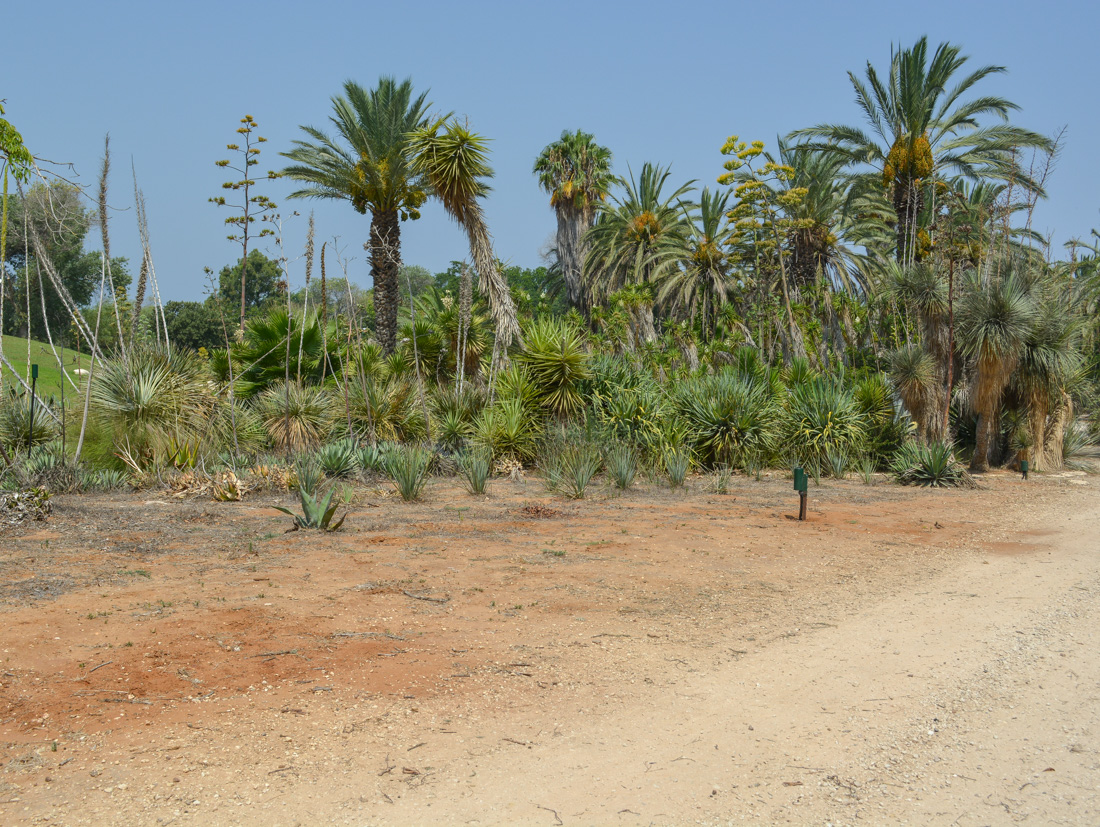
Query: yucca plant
(867, 467)
(621, 462)
(338, 459)
(580, 462)
(309, 475)
(15, 422)
(915, 376)
(296, 417)
(836, 460)
(476, 467)
(558, 364)
(507, 429)
(822, 416)
(729, 416)
(387, 410)
(720, 482)
(931, 465)
(408, 467)
(676, 460)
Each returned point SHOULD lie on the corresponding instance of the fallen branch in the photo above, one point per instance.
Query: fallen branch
(555, 812)
(105, 663)
(429, 599)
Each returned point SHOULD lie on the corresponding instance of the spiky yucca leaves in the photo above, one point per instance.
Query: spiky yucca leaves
(729, 417)
(994, 321)
(308, 410)
(408, 467)
(580, 462)
(16, 427)
(507, 430)
(455, 163)
(444, 316)
(387, 410)
(558, 364)
(822, 416)
(676, 460)
(454, 412)
(251, 435)
(150, 399)
(931, 465)
(885, 429)
(621, 462)
(476, 467)
(799, 372)
(915, 377)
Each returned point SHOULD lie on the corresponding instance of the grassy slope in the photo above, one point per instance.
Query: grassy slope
(49, 374)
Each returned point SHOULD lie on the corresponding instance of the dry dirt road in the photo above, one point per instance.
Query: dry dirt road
(905, 657)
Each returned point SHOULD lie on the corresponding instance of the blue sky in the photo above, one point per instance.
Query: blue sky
(653, 81)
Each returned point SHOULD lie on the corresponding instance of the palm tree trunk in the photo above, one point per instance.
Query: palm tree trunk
(908, 203)
(572, 225)
(385, 261)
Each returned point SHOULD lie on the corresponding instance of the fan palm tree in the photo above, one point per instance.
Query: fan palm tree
(629, 243)
(368, 164)
(454, 164)
(700, 281)
(922, 129)
(1048, 362)
(995, 321)
(576, 172)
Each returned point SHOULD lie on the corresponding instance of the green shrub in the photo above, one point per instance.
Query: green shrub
(507, 430)
(621, 461)
(728, 416)
(296, 417)
(822, 417)
(558, 364)
(676, 460)
(408, 467)
(931, 465)
(580, 462)
(15, 422)
(338, 459)
(476, 467)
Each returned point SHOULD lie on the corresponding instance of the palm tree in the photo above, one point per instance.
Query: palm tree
(921, 129)
(576, 172)
(701, 279)
(453, 163)
(1048, 362)
(995, 319)
(368, 164)
(629, 243)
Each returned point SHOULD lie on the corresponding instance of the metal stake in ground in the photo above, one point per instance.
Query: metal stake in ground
(801, 485)
(30, 426)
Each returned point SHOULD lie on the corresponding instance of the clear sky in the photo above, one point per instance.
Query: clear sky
(658, 82)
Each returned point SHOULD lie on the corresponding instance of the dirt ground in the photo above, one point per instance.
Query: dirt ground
(659, 657)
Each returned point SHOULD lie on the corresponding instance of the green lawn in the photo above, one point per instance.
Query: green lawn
(49, 374)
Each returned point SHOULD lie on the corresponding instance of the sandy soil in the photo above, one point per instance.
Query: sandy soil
(662, 657)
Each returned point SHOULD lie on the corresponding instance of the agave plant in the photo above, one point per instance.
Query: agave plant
(316, 512)
(338, 459)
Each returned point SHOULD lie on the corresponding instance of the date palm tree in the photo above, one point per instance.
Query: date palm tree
(922, 129)
(576, 172)
(367, 163)
(701, 278)
(629, 243)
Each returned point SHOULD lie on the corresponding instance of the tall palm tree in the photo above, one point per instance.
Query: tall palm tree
(701, 279)
(368, 164)
(454, 164)
(922, 129)
(995, 319)
(629, 242)
(576, 172)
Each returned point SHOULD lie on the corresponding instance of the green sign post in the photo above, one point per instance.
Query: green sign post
(801, 485)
